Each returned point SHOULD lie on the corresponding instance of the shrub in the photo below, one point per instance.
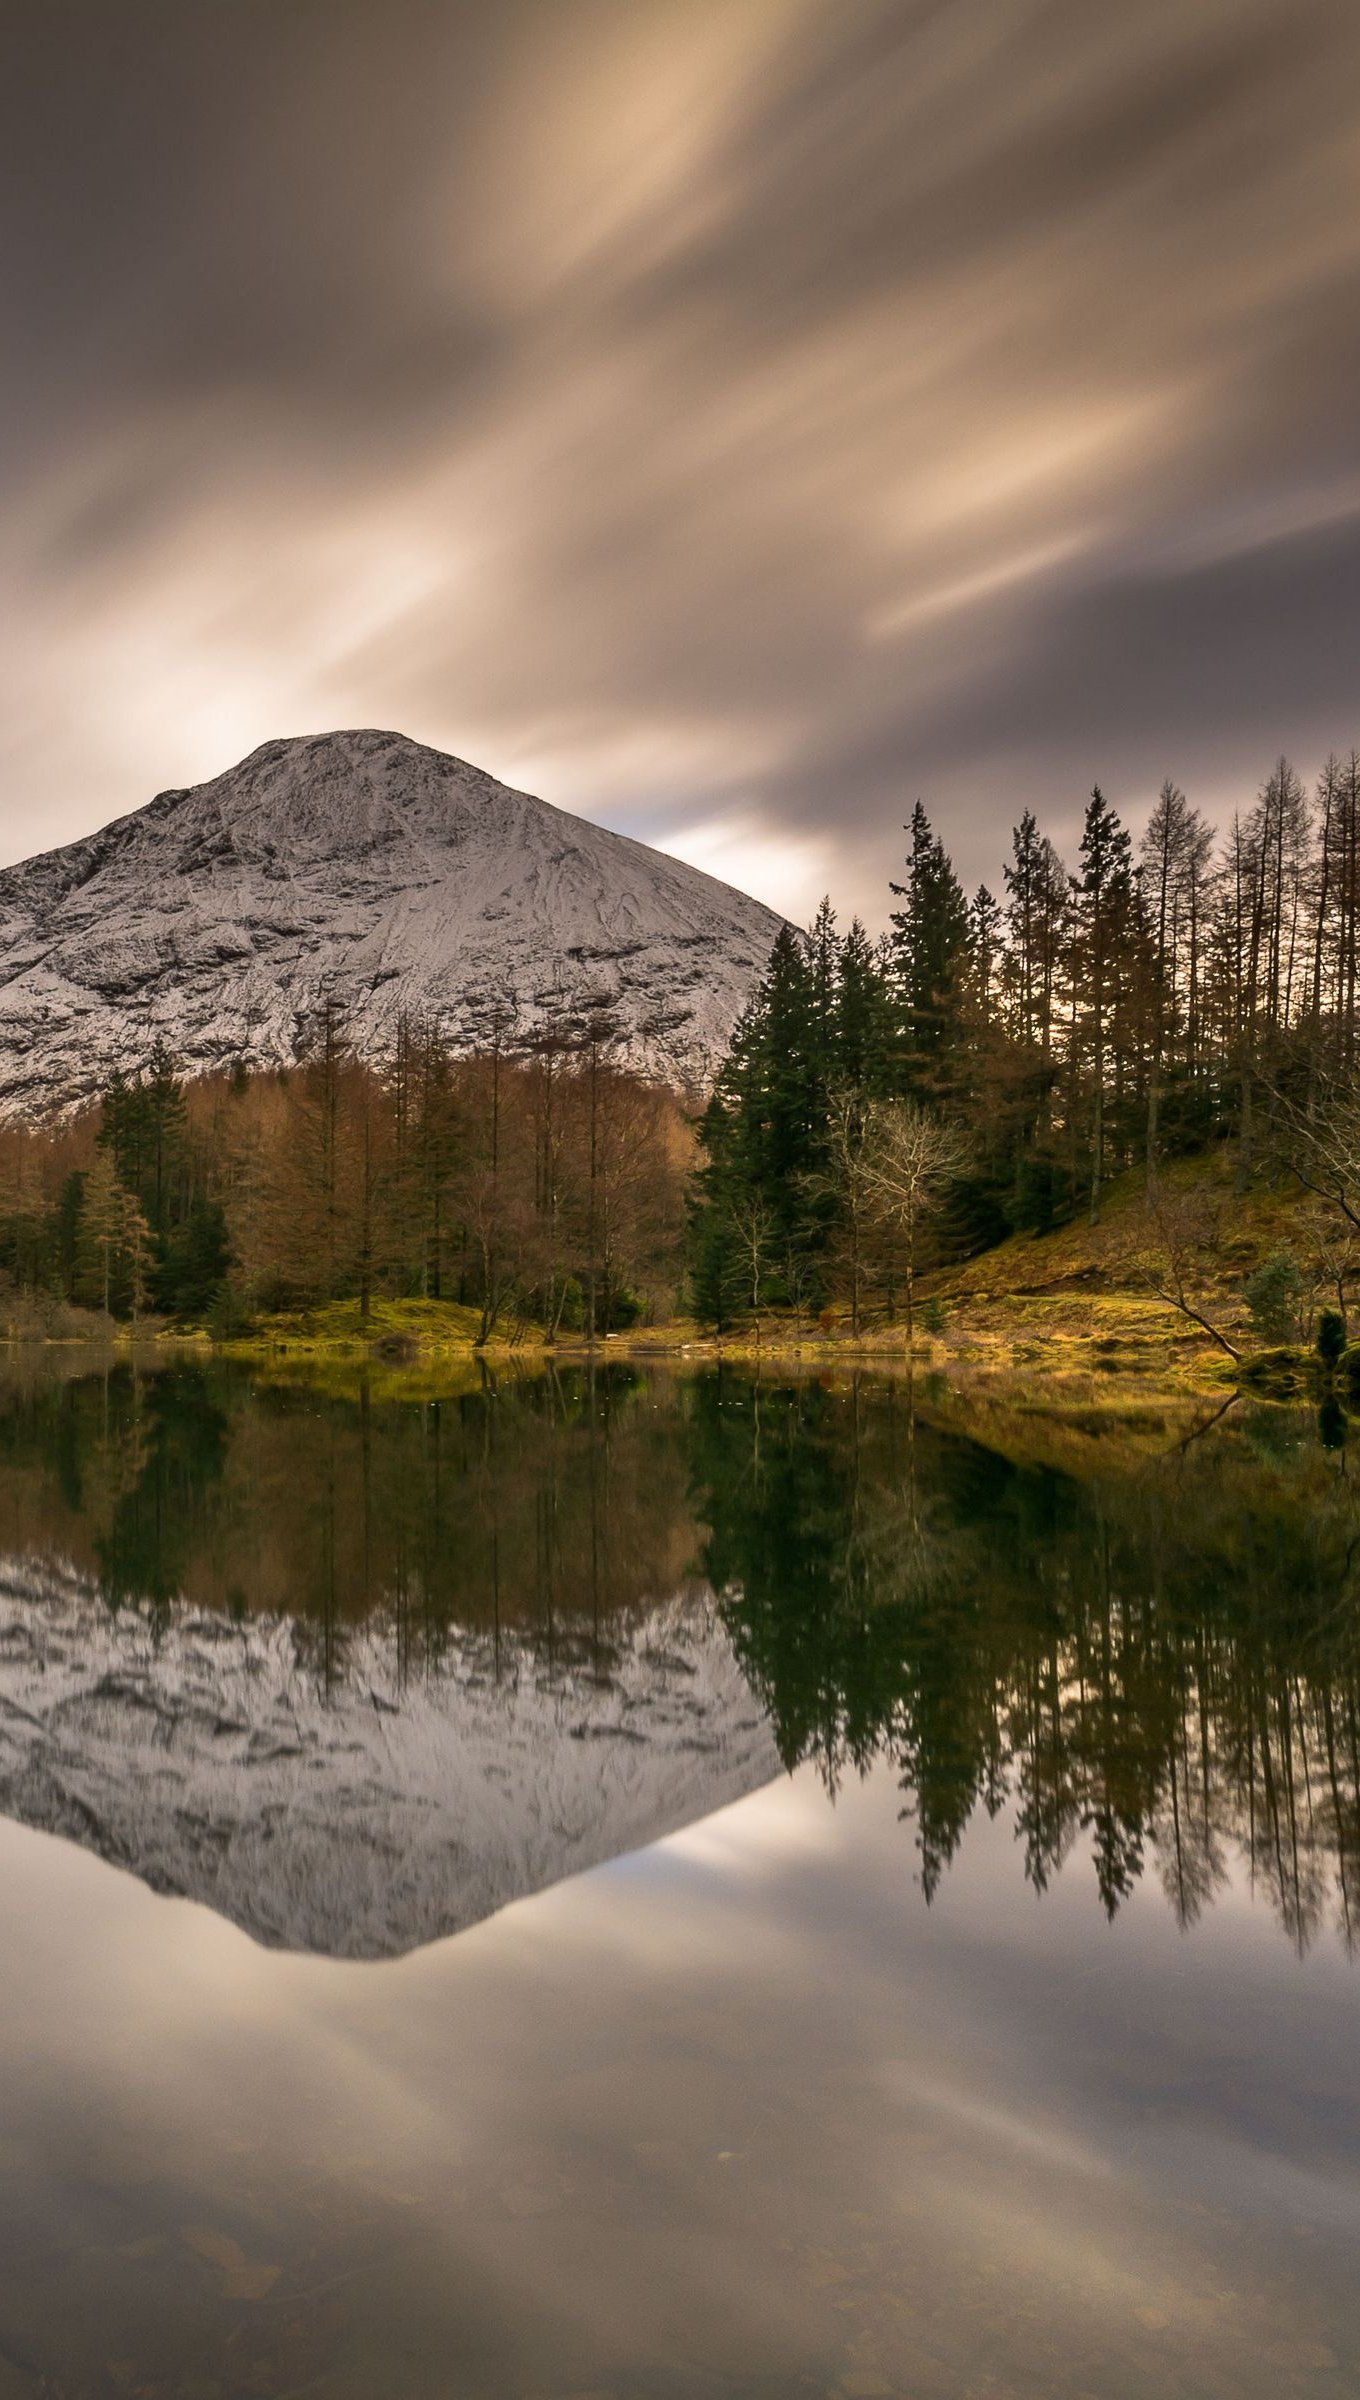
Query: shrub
(1273, 1296)
(1331, 1337)
(229, 1319)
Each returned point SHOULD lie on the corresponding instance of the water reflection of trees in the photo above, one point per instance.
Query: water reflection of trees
(535, 1514)
(1164, 1660)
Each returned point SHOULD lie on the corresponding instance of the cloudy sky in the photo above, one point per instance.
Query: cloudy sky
(732, 419)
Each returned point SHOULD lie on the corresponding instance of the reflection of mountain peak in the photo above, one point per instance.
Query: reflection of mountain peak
(367, 1813)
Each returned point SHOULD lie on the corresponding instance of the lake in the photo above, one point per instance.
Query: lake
(627, 1885)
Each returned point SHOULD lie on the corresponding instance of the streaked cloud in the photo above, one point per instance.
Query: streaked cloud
(731, 420)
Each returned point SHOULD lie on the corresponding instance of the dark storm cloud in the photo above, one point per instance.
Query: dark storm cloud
(732, 417)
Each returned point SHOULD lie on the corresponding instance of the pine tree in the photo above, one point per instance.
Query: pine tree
(766, 1128)
(716, 1278)
(1174, 852)
(929, 949)
(985, 930)
(1102, 908)
(862, 1046)
(1037, 889)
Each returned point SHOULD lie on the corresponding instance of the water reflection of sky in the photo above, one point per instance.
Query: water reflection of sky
(736, 2115)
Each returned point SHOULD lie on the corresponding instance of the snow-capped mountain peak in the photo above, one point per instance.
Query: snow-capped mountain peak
(366, 869)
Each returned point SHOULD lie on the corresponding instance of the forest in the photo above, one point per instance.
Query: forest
(987, 1065)
(543, 1185)
(991, 1064)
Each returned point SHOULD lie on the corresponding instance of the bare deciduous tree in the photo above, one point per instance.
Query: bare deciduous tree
(910, 1159)
(1320, 1141)
(754, 1226)
(1333, 1252)
(1181, 1229)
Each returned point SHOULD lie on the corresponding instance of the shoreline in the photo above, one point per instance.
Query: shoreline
(974, 1346)
(1081, 1402)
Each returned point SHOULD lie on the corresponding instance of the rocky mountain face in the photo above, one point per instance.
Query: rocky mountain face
(364, 869)
(329, 1798)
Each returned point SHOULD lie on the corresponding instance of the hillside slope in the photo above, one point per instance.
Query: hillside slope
(365, 868)
(1041, 1301)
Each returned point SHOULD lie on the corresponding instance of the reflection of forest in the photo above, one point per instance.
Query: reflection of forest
(542, 1507)
(1164, 1657)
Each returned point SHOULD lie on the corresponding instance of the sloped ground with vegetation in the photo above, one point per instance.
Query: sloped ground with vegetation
(1081, 1311)
(1101, 1294)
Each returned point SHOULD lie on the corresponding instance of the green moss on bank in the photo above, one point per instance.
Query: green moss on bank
(396, 1330)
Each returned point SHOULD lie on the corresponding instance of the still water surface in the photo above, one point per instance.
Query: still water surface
(653, 1887)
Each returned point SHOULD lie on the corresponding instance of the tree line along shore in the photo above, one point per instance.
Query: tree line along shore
(1117, 1102)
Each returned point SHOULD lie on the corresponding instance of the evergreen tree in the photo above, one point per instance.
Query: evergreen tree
(985, 927)
(863, 1028)
(1102, 926)
(929, 950)
(1037, 890)
(765, 1130)
(194, 1262)
(1174, 852)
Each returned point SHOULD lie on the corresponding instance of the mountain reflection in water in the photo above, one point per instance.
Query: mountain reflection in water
(356, 1671)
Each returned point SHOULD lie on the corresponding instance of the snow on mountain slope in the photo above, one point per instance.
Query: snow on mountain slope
(367, 1812)
(365, 867)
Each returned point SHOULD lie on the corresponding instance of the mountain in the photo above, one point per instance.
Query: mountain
(331, 1799)
(368, 869)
